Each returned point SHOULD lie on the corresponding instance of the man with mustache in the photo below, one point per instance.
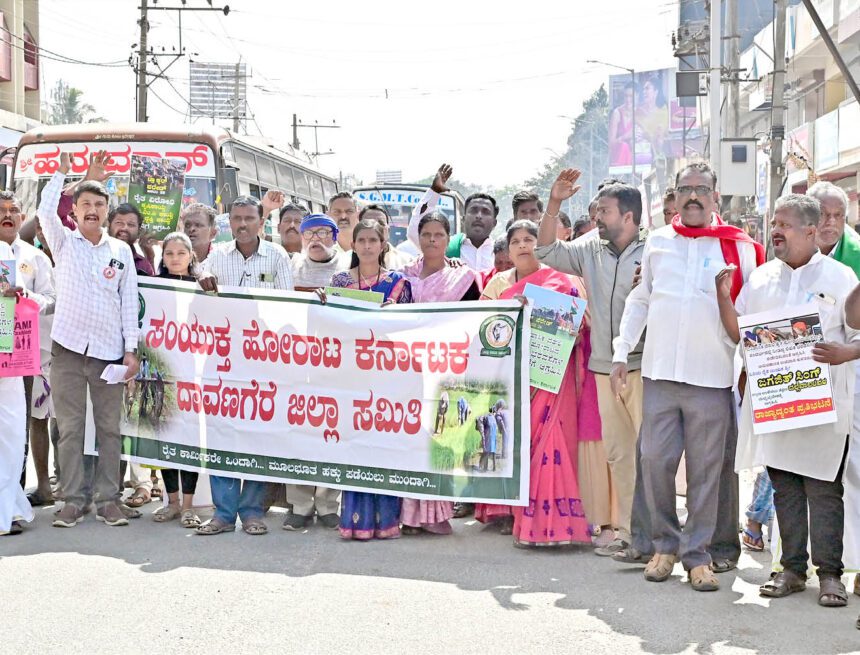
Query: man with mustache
(124, 223)
(805, 465)
(836, 238)
(289, 219)
(605, 258)
(95, 324)
(342, 209)
(687, 371)
(198, 223)
(320, 258)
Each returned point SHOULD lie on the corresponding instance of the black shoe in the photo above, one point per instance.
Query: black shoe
(462, 510)
(295, 522)
(330, 521)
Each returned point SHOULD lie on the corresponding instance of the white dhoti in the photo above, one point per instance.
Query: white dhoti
(851, 497)
(13, 435)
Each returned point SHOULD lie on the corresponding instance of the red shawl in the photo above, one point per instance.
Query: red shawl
(729, 236)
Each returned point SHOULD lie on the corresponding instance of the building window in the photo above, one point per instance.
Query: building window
(31, 62)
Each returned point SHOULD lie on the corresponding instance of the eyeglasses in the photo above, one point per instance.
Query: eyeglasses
(320, 234)
(700, 189)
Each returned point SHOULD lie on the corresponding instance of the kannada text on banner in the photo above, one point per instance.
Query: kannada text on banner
(155, 187)
(276, 386)
(788, 389)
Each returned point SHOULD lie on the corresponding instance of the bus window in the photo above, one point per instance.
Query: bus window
(266, 170)
(255, 191)
(303, 187)
(316, 188)
(285, 179)
(247, 165)
(199, 189)
(329, 189)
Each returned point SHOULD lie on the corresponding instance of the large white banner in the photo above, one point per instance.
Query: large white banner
(425, 401)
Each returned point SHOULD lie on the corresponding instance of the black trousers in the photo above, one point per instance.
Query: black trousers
(809, 509)
(171, 481)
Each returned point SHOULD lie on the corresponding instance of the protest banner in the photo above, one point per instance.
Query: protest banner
(276, 386)
(787, 388)
(555, 321)
(23, 358)
(155, 188)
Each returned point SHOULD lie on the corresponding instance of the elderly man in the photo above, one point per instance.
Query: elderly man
(252, 263)
(687, 371)
(805, 464)
(320, 258)
(198, 223)
(836, 239)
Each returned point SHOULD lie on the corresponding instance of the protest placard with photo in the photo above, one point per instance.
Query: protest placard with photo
(155, 188)
(787, 388)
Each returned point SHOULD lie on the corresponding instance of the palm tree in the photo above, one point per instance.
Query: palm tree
(67, 107)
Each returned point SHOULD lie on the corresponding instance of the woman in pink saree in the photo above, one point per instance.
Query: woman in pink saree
(554, 515)
(435, 279)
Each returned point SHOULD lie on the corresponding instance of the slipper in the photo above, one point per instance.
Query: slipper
(139, 498)
(215, 526)
(832, 592)
(254, 527)
(129, 512)
(782, 584)
(36, 499)
(190, 519)
(753, 540)
(723, 565)
(165, 514)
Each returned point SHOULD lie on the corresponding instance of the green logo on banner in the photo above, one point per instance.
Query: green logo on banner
(141, 310)
(496, 333)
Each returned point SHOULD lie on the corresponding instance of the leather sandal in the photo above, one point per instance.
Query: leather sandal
(254, 527)
(660, 567)
(832, 592)
(215, 526)
(782, 584)
(703, 579)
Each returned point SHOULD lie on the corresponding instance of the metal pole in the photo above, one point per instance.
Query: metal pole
(834, 52)
(295, 132)
(633, 132)
(777, 114)
(715, 64)
(141, 63)
(236, 100)
(733, 122)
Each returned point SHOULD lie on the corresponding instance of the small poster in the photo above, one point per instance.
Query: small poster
(356, 294)
(555, 322)
(22, 357)
(155, 188)
(7, 324)
(7, 274)
(787, 388)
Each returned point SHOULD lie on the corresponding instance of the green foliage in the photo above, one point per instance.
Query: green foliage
(459, 443)
(67, 107)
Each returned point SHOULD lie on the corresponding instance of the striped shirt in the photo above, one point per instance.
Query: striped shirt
(97, 302)
(267, 268)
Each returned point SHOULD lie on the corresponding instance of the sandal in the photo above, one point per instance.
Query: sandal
(254, 527)
(189, 519)
(723, 565)
(753, 540)
(782, 584)
(129, 512)
(156, 493)
(660, 567)
(703, 579)
(507, 525)
(139, 498)
(410, 530)
(832, 592)
(165, 514)
(215, 526)
(36, 499)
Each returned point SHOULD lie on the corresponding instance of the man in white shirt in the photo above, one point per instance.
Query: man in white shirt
(341, 208)
(35, 280)
(687, 371)
(805, 464)
(473, 245)
(250, 262)
(95, 324)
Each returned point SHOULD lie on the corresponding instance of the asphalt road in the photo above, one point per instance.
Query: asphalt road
(150, 588)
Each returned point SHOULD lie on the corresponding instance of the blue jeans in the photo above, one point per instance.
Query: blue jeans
(233, 497)
(760, 509)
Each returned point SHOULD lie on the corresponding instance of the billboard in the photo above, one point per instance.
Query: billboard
(647, 122)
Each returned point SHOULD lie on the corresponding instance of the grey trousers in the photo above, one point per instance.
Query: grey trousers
(71, 375)
(305, 498)
(682, 418)
(725, 544)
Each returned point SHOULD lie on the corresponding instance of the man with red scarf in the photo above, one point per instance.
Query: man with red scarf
(687, 370)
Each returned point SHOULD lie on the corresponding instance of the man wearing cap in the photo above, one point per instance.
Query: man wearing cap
(319, 259)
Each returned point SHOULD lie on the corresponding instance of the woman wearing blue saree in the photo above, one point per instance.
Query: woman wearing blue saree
(364, 515)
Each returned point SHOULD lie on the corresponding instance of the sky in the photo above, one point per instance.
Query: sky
(486, 86)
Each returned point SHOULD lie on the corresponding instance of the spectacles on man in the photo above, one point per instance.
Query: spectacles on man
(321, 234)
(700, 189)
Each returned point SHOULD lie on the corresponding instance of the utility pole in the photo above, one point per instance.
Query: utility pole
(236, 99)
(142, 54)
(295, 133)
(715, 136)
(777, 113)
(733, 127)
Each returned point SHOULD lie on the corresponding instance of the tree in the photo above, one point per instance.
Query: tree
(66, 106)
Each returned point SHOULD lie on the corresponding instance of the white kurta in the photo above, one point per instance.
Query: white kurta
(816, 451)
(14, 505)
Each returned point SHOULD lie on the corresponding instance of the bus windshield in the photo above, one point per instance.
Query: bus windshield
(35, 163)
(400, 201)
